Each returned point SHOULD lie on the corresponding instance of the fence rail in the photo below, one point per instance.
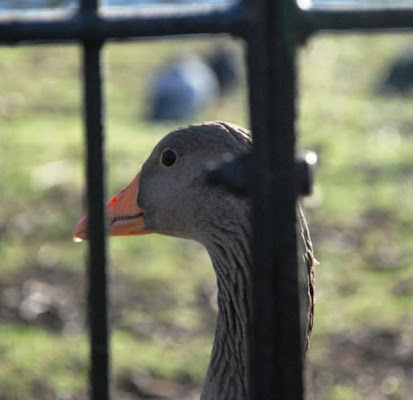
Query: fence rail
(234, 19)
(314, 20)
(82, 25)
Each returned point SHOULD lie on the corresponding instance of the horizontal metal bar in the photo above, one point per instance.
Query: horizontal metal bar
(91, 5)
(313, 20)
(142, 23)
(232, 171)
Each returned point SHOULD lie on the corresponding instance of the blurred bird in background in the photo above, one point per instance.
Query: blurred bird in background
(188, 85)
(398, 78)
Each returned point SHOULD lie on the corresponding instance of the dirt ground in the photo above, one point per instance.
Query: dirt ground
(376, 364)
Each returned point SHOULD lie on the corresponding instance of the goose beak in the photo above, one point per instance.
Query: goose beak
(124, 215)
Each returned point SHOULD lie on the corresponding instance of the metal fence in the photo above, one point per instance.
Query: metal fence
(272, 30)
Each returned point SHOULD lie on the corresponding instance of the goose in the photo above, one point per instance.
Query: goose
(170, 196)
(182, 88)
(226, 62)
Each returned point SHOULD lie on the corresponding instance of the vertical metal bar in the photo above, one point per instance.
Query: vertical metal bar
(99, 375)
(276, 348)
(97, 272)
(89, 5)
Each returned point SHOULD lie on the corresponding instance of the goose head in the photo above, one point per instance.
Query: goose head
(170, 194)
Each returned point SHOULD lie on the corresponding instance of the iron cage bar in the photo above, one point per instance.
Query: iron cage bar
(276, 342)
(233, 18)
(276, 339)
(98, 302)
(77, 26)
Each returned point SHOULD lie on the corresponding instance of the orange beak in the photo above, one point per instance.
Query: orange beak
(124, 215)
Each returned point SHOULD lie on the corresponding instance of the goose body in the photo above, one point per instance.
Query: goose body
(170, 196)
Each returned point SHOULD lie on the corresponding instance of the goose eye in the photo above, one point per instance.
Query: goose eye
(168, 157)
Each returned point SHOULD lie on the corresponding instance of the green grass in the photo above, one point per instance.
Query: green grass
(360, 215)
(29, 355)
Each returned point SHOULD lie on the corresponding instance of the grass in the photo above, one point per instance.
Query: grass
(360, 217)
(29, 355)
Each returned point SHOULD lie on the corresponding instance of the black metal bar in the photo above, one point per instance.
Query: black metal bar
(98, 294)
(313, 20)
(232, 172)
(58, 27)
(89, 5)
(276, 346)
(97, 272)
(144, 23)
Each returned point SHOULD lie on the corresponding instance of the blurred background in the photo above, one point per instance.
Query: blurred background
(355, 111)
